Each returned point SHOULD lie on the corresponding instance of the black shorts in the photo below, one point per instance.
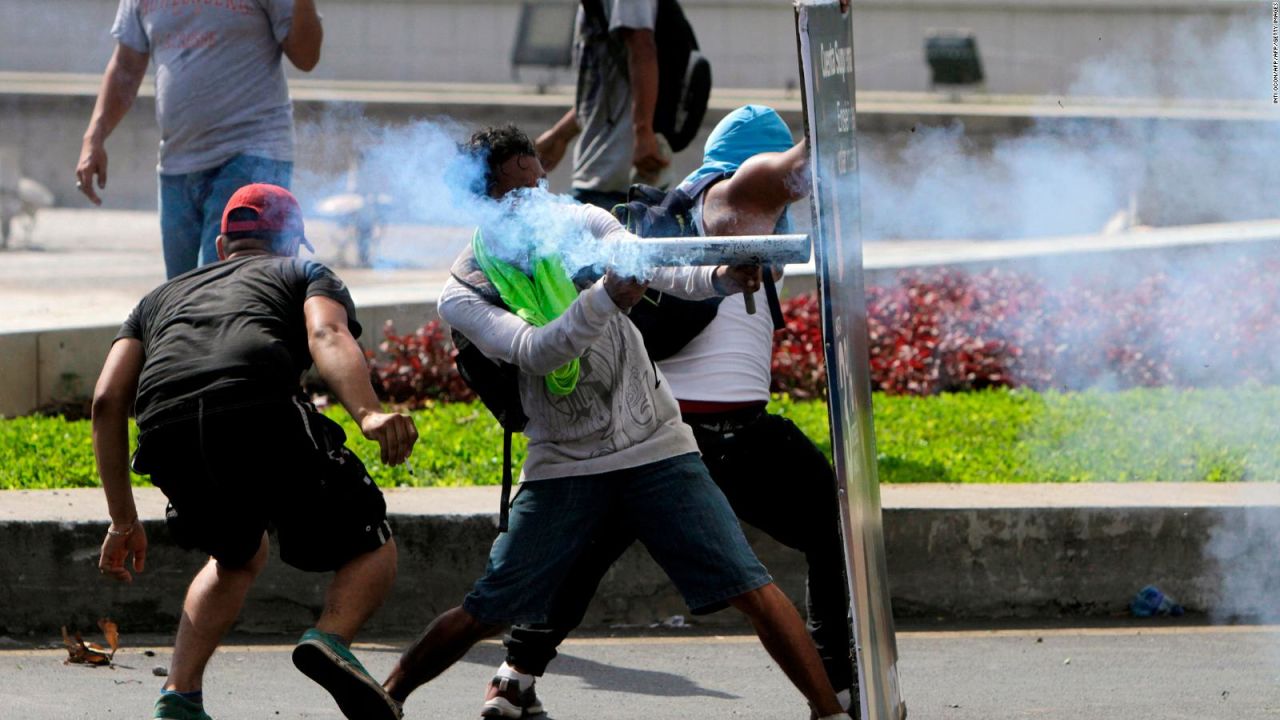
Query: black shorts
(232, 474)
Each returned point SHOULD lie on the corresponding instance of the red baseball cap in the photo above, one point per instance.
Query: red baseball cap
(277, 208)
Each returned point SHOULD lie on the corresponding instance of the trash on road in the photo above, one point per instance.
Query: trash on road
(85, 653)
(1151, 601)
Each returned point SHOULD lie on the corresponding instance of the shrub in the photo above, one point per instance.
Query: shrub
(949, 331)
(798, 369)
(416, 368)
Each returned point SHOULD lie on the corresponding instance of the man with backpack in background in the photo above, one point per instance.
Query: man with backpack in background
(716, 358)
(211, 362)
(642, 93)
(606, 443)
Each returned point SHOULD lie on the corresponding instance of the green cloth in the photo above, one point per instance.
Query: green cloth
(537, 300)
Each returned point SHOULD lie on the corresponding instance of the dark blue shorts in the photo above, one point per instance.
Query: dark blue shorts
(671, 506)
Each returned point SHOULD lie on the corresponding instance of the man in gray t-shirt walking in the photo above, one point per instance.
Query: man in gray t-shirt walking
(617, 92)
(221, 102)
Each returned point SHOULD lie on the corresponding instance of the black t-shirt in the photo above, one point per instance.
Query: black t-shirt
(233, 330)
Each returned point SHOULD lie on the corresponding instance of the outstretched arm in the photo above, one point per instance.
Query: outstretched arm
(112, 400)
(768, 182)
(342, 365)
(503, 336)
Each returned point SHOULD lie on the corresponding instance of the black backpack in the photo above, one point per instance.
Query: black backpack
(496, 382)
(684, 75)
(666, 322)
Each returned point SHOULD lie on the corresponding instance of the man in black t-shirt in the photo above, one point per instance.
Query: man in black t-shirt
(211, 361)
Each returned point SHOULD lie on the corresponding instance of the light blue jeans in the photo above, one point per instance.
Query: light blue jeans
(191, 207)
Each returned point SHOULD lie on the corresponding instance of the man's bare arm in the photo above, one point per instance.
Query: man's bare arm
(642, 68)
(768, 182)
(120, 85)
(552, 144)
(342, 366)
(306, 35)
(112, 401)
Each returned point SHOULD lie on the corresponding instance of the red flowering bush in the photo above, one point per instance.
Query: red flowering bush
(798, 368)
(417, 367)
(946, 331)
(949, 331)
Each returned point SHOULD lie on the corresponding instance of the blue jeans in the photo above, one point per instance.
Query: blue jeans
(191, 207)
(671, 506)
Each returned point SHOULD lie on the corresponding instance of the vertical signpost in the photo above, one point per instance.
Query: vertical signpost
(825, 36)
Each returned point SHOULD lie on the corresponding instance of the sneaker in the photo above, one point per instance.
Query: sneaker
(325, 659)
(506, 699)
(176, 707)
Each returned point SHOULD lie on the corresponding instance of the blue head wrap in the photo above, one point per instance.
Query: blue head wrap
(749, 130)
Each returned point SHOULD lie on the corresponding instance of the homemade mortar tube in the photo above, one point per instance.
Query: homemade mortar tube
(717, 250)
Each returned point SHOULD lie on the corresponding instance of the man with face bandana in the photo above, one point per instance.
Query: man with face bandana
(606, 443)
(774, 477)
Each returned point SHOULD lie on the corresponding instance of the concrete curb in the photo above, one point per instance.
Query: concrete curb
(965, 552)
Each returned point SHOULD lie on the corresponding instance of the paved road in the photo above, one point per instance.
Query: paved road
(1165, 672)
(89, 267)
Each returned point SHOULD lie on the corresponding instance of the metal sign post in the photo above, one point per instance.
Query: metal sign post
(825, 36)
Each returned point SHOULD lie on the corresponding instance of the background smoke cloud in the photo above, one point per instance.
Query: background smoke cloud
(1179, 161)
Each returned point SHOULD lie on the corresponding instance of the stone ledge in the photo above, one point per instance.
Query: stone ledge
(975, 552)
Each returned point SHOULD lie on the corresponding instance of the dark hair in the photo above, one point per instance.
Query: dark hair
(495, 146)
(264, 239)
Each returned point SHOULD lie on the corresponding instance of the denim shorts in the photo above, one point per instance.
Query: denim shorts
(671, 506)
(191, 207)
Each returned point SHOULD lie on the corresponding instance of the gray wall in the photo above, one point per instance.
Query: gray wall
(1182, 168)
(1028, 46)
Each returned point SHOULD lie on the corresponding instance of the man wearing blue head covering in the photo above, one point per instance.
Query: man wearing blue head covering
(774, 477)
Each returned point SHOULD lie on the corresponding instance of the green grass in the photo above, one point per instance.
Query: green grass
(988, 437)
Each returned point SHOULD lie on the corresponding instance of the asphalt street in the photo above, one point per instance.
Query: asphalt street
(1166, 672)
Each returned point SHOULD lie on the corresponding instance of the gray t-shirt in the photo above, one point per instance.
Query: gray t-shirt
(220, 87)
(603, 155)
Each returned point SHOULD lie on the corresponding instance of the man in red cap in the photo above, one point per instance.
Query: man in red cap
(210, 362)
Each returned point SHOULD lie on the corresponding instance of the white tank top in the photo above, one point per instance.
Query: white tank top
(730, 360)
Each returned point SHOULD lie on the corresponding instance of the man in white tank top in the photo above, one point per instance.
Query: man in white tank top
(774, 477)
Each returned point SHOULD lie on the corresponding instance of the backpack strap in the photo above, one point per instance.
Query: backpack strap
(704, 182)
(466, 270)
(504, 509)
(771, 295)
